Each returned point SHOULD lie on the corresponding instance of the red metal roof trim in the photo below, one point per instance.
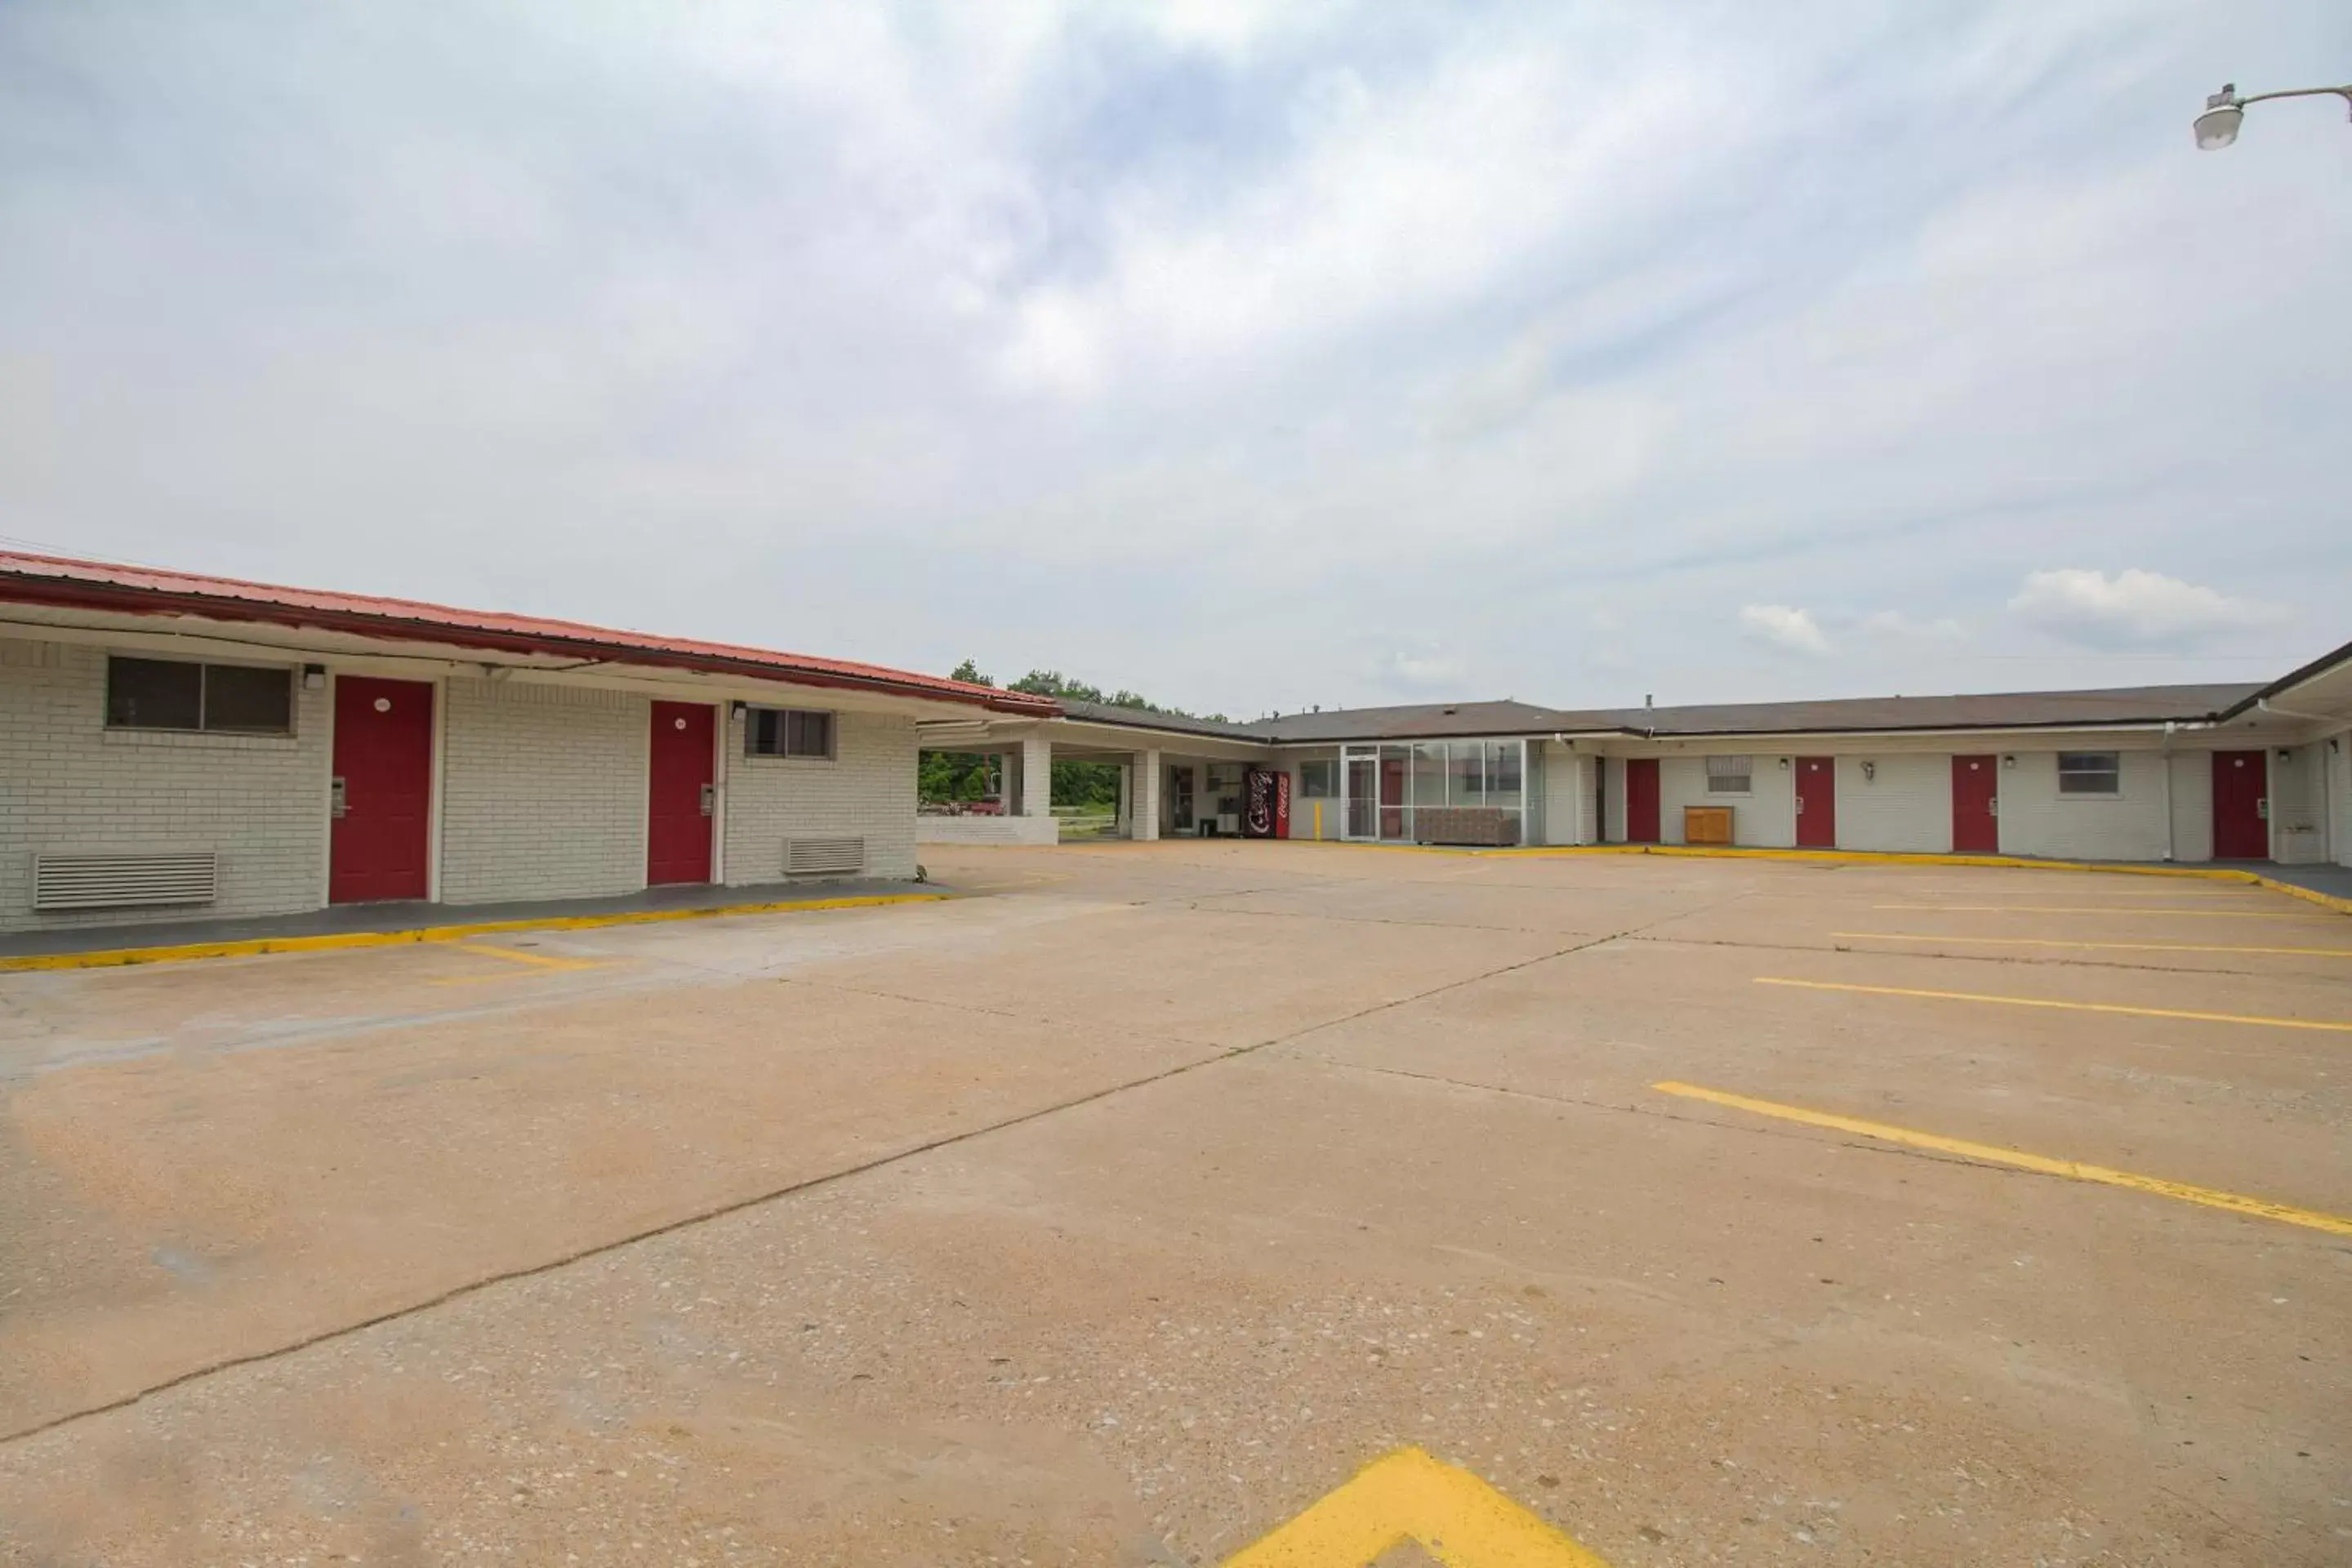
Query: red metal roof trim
(143, 590)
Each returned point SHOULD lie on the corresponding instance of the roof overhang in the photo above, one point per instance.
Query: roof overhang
(79, 593)
(2319, 692)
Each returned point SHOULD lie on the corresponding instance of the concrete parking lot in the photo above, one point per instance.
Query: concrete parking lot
(1118, 1211)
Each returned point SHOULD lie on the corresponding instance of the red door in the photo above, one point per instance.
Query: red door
(677, 832)
(1641, 800)
(1816, 803)
(2241, 807)
(1392, 796)
(382, 793)
(1976, 820)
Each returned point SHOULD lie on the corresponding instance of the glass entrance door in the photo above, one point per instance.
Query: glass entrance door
(1395, 820)
(1362, 793)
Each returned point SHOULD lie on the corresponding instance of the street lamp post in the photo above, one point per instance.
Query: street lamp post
(2218, 126)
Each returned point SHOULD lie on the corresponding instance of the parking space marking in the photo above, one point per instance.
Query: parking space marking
(2063, 1006)
(1409, 1497)
(540, 961)
(544, 960)
(2076, 1170)
(2105, 910)
(2102, 946)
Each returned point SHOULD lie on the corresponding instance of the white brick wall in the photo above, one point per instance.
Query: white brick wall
(2298, 820)
(543, 791)
(1905, 807)
(2339, 795)
(867, 790)
(1302, 810)
(1764, 818)
(67, 782)
(2192, 804)
(2035, 819)
(1567, 793)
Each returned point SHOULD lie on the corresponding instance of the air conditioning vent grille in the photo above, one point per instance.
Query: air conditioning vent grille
(823, 857)
(126, 880)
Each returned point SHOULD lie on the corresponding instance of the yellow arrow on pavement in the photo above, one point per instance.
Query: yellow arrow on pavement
(1407, 1496)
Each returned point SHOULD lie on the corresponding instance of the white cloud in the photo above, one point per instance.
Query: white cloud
(1783, 626)
(2133, 609)
(1419, 670)
(1894, 624)
(1254, 352)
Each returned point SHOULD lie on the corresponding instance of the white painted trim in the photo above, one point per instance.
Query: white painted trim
(434, 838)
(721, 733)
(327, 799)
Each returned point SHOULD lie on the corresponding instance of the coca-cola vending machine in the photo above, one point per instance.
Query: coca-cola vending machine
(1266, 803)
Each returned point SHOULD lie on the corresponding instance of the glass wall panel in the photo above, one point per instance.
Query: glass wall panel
(1504, 759)
(1467, 776)
(1429, 773)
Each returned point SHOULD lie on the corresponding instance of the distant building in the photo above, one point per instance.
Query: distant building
(174, 746)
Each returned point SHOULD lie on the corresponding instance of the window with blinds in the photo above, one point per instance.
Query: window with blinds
(1729, 775)
(805, 734)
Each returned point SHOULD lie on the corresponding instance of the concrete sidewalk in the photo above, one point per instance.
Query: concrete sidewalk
(396, 919)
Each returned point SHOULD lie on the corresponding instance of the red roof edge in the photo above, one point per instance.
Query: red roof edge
(151, 591)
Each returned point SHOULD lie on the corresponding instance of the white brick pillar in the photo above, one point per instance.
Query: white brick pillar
(1144, 799)
(1123, 823)
(1036, 775)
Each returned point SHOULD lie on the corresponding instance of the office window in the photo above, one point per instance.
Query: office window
(2090, 772)
(179, 694)
(1730, 775)
(806, 733)
(1318, 780)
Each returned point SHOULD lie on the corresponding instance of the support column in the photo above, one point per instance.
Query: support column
(1123, 821)
(1036, 775)
(1146, 794)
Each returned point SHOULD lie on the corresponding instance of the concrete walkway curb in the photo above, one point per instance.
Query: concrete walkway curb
(181, 953)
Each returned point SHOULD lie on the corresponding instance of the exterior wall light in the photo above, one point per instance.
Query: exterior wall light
(736, 711)
(2010, 760)
(1784, 764)
(1870, 770)
(2225, 111)
(314, 677)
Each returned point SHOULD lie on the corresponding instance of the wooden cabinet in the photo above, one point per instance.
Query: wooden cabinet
(1706, 825)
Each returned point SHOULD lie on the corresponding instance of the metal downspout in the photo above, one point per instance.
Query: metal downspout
(2172, 834)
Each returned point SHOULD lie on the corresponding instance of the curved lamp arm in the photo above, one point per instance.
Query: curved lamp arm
(2218, 126)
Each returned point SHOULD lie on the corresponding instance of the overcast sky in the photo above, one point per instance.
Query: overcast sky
(1252, 355)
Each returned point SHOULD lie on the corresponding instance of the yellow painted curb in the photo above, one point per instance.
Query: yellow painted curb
(1873, 857)
(330, 941)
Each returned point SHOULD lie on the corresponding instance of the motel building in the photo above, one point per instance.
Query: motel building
(182, 748)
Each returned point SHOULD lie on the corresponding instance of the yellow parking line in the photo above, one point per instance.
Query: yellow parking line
(2104, 946)
(2236, 1203)
(543, 961)
(2102, 909)
(516, 954)
(2064, 1006)
(1408, 1496)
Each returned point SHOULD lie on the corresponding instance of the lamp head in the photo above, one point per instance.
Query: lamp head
(2218, 126)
